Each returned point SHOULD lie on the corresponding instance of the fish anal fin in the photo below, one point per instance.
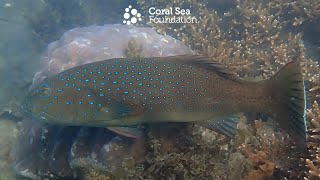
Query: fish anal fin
(225, 125)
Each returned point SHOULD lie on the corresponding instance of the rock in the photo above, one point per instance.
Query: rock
(9, 131)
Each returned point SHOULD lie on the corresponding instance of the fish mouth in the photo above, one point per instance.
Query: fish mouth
(43, 116)
(28, 110)
(26, 107)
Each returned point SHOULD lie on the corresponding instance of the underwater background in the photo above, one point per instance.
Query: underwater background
(40, 38)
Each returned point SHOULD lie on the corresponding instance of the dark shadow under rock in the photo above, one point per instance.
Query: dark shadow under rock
(56, 152)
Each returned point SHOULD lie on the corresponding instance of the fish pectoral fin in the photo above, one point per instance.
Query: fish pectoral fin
(131, 132)
(225, 125)
(119, 109)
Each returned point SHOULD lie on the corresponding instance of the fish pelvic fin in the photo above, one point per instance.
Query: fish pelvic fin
(288, 90)
(130, 132)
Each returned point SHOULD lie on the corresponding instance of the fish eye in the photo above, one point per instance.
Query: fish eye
(44, 90)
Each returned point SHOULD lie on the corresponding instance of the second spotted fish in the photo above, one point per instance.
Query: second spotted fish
(119, 93)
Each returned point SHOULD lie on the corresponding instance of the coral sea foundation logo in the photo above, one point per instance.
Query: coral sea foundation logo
(171, 15)
(131, 16)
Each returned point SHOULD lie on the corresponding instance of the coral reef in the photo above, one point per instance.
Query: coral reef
(314, 125)
(52, 151)
(255, 39)
(252, 38)
(267, 151)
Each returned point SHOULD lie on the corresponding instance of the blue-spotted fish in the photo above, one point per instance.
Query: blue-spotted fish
(123, 92)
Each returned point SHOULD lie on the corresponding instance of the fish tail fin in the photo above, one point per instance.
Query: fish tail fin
(287, 88)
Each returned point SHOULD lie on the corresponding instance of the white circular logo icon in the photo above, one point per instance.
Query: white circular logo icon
(131, 16)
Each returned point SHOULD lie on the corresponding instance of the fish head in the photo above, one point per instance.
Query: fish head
(37, 102)
(53, 101)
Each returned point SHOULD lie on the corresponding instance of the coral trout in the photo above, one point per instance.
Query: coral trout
(124, 92)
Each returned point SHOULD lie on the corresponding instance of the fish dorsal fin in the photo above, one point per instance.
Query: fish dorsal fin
(205, 63)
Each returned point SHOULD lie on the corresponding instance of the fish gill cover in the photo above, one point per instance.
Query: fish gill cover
(252, 38)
